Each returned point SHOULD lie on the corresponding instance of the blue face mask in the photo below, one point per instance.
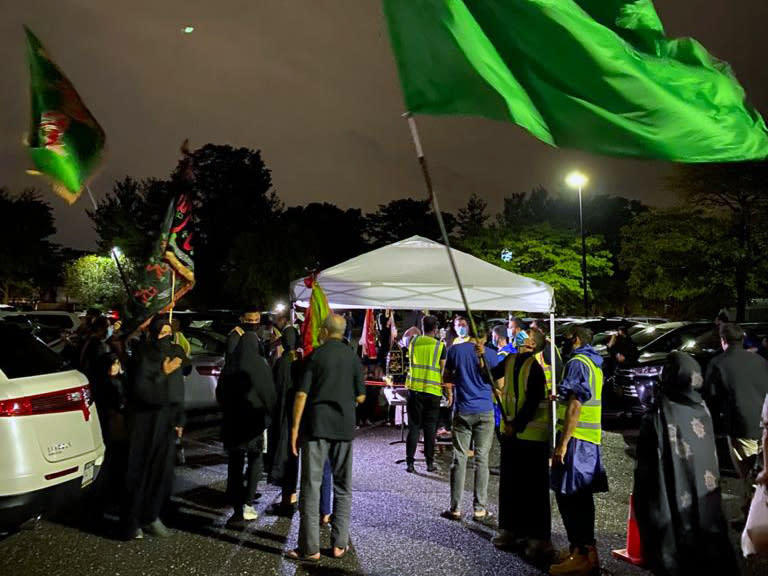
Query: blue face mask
(462, 331)
(110, 331)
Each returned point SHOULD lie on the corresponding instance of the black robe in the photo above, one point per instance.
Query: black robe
(246, 393)
(155, 408)
(678, 502)
(288, 372)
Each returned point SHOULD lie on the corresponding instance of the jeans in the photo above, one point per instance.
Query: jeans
(325, 490)
(314, 454)
(578, 513)
(466, 429)
(241, 485)
(423, 411)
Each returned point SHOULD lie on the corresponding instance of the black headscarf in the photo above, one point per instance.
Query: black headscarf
(677, 480)
(287, 376)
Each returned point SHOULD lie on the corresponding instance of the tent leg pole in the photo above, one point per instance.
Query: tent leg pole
(441, 223)
(553, 368)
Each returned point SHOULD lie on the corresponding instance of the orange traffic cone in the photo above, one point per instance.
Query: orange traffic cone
(633, 553)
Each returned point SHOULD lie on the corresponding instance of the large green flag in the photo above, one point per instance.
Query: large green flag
(597, 75)
(65, 141)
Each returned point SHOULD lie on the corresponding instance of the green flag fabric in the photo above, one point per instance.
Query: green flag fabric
(595, 75)
(65, 141)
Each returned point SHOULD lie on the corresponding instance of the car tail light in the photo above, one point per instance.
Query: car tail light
(60, 473)
(69, 400)
(209, 370)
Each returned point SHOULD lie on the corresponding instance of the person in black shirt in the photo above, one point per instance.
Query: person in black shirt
(324, 410)
(154, 417)
(246, 393)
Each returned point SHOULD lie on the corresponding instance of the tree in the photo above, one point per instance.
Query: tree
(737, 193)
(236, 218)
(28, 259)
(546, 253)
(401, 219)
(684, 258)
(94, 281)
(472, 218)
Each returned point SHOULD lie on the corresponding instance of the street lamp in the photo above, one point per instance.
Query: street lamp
(578, 180)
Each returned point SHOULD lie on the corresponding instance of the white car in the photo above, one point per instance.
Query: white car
(50, 439)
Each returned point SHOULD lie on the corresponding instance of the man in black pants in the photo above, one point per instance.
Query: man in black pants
(426, 356)
(246, 393)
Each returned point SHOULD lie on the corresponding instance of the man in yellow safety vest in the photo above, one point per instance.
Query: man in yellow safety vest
(577, 467)
(524, 510)
(426, 355)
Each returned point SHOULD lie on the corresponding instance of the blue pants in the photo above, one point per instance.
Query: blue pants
(325, 490)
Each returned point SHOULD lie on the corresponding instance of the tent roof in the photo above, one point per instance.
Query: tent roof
(415, 274)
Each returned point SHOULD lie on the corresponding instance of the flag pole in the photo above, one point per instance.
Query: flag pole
(444, 232)
(111, 251)
(173, 295)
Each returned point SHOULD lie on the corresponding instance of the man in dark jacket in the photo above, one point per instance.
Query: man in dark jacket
(735, 386)
(246, 393)
(154, 419)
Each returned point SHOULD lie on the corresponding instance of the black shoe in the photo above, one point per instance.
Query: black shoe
(431, 468)
(410, 469)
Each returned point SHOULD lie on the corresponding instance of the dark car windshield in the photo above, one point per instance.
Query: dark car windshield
(681, 338)
(647, 335)
(23, 355)
(205, 342)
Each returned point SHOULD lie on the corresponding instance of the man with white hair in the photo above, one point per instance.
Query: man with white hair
(324, 411)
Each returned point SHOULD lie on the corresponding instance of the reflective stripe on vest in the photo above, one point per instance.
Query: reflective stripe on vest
(424, 365)
(589, 427)
(537, 430)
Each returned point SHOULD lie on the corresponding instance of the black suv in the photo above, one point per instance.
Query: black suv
(638, 385)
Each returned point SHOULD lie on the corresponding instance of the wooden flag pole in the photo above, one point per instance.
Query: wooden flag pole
(173, 295)
(444, 232)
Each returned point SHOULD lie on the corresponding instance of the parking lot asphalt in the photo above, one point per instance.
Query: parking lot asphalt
(396, 527)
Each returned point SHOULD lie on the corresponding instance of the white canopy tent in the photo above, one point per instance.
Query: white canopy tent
(415, 274)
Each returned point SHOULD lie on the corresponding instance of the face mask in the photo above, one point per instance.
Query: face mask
(110, 331)
(510, 334)
(462, 331)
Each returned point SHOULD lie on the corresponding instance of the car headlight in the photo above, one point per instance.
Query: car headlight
(647, 371)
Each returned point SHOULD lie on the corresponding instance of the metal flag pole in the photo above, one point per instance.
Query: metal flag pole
(441, 223)
(112, 251)
(173, 295)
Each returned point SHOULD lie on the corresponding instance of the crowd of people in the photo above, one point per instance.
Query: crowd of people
(295, 417)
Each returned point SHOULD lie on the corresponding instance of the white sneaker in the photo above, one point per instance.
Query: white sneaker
(249, 512)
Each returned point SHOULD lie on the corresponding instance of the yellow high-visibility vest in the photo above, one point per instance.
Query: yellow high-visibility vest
(589, 427)
(537, 430)
(424, 373)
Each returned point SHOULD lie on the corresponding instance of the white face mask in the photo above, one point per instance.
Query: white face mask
(462, 331)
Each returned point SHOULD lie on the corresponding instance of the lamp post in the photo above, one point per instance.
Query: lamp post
(578, 180)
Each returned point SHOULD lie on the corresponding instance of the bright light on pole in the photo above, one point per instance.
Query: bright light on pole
(188, 29)
(280, 307)
(578, 180)
(116, 251)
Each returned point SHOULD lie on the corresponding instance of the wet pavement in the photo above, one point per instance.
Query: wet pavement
(396, 526)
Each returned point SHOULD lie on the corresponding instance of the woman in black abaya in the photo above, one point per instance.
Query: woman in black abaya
(678, 503)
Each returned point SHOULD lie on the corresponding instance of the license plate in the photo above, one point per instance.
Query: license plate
(88, 471)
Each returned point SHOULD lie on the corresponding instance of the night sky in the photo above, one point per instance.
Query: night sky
(312, 84)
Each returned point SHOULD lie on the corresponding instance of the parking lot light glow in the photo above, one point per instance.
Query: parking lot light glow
(280, 307)
(188, 29)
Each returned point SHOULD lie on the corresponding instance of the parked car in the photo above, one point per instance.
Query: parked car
(638, 385)
(50, 439)
(48, 325)
(207, 354)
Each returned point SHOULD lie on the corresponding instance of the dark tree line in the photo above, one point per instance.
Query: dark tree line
(689, 260)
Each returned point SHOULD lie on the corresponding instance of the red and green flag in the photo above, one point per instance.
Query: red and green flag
(596, 75)
(65, 141)
(170, 272)
(317, 311)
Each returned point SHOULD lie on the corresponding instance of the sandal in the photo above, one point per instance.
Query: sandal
(343, 552)
(482, 515)
(451, 515)
(297, 556)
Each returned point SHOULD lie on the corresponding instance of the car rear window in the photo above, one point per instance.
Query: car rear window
(23, 355)
(52, 320)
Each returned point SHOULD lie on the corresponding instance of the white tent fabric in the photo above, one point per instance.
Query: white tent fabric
(415, 274)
